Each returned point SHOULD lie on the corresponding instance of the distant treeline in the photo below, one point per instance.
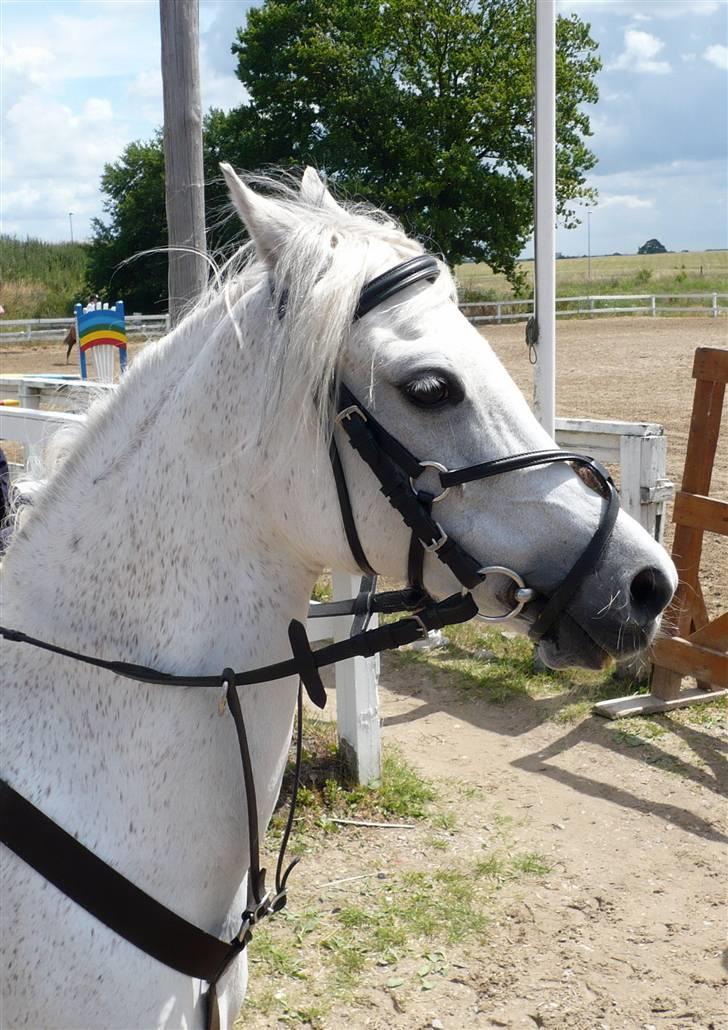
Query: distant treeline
(39, 279)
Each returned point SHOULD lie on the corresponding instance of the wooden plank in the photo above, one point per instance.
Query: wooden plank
(665, 684)
(686, 551)
(703, 437)
(601, 447)
(690, 659)
(357, 704)
(32, 427)
(649, 704)
(711, 363)
(701, 512)
(713, 635)
(607, 427)
(630, 485)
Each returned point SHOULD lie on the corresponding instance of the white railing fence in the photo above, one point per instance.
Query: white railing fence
(15, 329)
(499, 311)
(477, 311)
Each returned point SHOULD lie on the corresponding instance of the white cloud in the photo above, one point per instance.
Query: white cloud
(688, 57)
(717, 55)
(668, 9)
(147, 84)
(626, 200)
(640, 51)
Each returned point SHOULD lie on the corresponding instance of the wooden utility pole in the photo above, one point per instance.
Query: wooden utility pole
(185, 187)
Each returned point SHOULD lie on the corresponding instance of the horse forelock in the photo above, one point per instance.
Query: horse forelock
(313, 290)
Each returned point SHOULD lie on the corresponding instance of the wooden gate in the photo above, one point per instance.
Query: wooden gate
(698, 646)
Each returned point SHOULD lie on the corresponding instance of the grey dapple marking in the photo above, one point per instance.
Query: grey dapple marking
(187, 527)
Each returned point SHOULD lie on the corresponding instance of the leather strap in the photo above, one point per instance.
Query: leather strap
(347, 513)
(306, 663)
(107, 895)
(424, 266)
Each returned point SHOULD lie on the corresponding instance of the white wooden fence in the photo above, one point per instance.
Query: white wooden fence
(498, 311)
(16, 329)
(639, 449)
(485, 311)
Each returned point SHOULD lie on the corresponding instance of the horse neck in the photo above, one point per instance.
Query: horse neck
(149, 548)
(154, 538)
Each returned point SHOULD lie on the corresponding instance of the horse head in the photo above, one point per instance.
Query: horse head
(427, 380)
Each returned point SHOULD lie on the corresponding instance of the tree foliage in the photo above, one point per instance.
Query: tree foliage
(134, 202)
(423, 107)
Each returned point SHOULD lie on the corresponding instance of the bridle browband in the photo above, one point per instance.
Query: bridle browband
(138, 917)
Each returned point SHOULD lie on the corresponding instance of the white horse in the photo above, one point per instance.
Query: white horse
(184, 531)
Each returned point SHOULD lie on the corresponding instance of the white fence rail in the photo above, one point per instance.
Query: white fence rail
(498, 311)
(484, 311)
(14, 329)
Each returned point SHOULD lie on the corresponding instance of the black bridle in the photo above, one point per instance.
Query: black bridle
(398, 470)
(132, 913)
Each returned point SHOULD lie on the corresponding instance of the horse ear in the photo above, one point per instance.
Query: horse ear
(314, 192)
(269, 224)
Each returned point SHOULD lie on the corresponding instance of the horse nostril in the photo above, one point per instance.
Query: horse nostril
(650, 592)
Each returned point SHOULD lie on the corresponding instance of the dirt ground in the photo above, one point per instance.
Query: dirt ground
(626, 929)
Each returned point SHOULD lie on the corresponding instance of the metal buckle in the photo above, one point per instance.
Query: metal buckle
(438, 468)
(423, 629)
(522, 595)
(436, 544)
(251, 916)
(348, 412)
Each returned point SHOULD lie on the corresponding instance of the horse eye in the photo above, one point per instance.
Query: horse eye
(429, 391)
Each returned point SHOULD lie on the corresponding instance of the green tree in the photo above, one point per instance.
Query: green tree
(134, 204)
(424, 107)
(135, 209)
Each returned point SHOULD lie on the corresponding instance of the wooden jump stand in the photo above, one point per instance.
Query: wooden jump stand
(698, 646)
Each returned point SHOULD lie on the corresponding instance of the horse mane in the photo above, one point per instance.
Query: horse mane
(320, 270)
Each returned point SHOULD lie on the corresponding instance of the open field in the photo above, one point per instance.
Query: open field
(568, 873)
(692, 272)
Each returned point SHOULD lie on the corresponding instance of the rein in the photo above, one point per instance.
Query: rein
(138, 917)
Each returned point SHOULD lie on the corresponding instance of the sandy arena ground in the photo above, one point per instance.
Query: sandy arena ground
(627, 930)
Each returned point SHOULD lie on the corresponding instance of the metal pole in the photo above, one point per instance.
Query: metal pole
(588, 249)
(180, 28)
(545, 221)
(70, 220)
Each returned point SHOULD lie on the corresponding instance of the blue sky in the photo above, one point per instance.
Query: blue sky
(81, 79)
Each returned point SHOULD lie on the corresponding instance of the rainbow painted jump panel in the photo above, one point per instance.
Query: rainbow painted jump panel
(102, 327)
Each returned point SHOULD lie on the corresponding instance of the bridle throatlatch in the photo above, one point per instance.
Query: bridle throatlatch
(138, 917)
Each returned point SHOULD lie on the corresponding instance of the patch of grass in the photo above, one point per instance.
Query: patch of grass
(484, 663)
(39, 279)
(694, 272)
(711, 715)
(326, 790)
(405, 924)
(322, 590)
